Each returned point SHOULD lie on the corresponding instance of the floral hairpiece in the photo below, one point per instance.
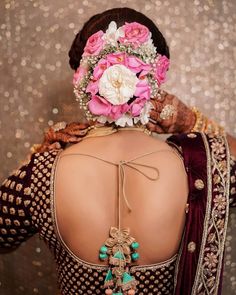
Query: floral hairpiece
(120, 71)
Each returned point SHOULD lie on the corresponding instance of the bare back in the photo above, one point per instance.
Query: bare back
(86, 196)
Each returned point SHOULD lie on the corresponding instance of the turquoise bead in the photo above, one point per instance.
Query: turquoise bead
(135, 256)
(135, 245)
(103, 256)
(103, 249)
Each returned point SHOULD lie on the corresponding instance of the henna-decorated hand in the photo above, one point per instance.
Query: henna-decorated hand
(182, 120)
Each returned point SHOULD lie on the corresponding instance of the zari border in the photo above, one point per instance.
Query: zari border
(178, 259)
(216, 218)
(227, 193)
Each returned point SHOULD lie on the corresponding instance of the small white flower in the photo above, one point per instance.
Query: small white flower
(104, 119)
(113, 34)
(148, 46)
(124, 120)
(117, 84)
(145, 113)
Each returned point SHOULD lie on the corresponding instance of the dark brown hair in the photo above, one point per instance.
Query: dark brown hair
(101, 22)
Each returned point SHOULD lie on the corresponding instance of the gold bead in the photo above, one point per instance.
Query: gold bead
(199, 184)
(191, 247)
(192, 135)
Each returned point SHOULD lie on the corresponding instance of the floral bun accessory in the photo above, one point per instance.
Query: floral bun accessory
(119, 73)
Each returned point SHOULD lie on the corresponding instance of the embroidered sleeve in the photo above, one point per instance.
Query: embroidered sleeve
(15, 197)
(233, 181)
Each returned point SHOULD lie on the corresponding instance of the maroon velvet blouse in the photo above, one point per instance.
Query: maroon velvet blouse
(27, 207)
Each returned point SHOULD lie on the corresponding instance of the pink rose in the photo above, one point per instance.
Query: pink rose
(143, 89)
(102, 65)
(136, 106)
(137, 65)
(94, 44)
(99, 106)
(162, 66)
(118, 110)
(135, 34)
(117, 58)
(79, 74)
(92, 87)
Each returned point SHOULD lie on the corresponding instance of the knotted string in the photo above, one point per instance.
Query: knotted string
(122, 175)
(122, 179)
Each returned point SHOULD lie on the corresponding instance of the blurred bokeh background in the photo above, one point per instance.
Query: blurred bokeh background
(36, 92)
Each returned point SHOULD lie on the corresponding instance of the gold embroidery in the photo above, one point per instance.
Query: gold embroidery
(18, 201)
(8, 221)
(4, 196)
(22, 175)
(4, 184)
(26, 222)
(26, 203)
(40, 175)
(27, 191)
(11, 198)
(4, 209)
(3, 231)
(233, 191)
(17, 172)
(19, 187)
(13, 231)
(21, 212)
(216, 179)
(12, 211)
(213, 241)
(12, 185)
(8, 182)
(16, 222)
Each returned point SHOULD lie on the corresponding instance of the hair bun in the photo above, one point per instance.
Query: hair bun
(120, 16)
(76, 51)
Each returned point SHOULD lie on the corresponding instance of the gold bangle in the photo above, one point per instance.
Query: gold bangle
(203, 124)
(200, 123)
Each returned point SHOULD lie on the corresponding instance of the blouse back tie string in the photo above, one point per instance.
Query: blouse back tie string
(122, 165)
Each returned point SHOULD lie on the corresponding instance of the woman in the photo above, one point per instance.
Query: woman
(124, 212)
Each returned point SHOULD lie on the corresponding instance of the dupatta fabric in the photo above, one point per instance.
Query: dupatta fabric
(199, 267)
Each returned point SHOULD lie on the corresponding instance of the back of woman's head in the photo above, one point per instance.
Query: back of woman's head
(101, 22)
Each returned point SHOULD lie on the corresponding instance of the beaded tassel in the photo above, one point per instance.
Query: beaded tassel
(120, 249)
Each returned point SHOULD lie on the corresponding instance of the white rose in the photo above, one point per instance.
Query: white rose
(117, 84)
